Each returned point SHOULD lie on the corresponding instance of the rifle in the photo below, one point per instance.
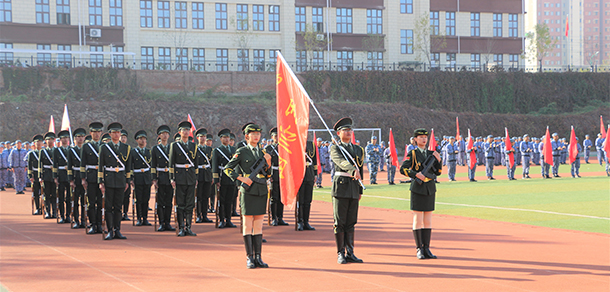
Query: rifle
(296, 213)
(428, 170)
(217, 209)
(33, 203)
(176, 214)
(73, 199)
(133, 208)
(156, 205)
(56, 211)
(85, 214)
(269, 186)
(104, 231)
(255, 170)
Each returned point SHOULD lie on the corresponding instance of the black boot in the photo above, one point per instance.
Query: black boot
(181, 228)
(249, 253)
(340, 240)
(118, 235)
(168, 219)
(306, 210)
(189, 219)
(109, 236)
(161, 218)
(280, 215)
(349, 248)
(257, 246)
(426, 234)
(418, 244)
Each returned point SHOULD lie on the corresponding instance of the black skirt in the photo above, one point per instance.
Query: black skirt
(422, 203)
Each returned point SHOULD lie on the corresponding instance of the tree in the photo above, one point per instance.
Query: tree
(541, 43)
(426, 39)
(312, 42)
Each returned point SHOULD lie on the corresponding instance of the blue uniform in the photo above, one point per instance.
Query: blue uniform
(452, 155)
(503, 153)
(4, 165)
(391, 168)
(575, 169)
(17, 162)
(557, 147)
(471, 172)
(510, 170)
(373, 154)
(526, 151)
(544, 167)
(564, 151)
(599, 142)
(462, 152)
(382, 160)
(535, 154)
(587, 149)
(490, 152)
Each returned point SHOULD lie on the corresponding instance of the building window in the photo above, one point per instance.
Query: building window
(182, 57)
(317, 18)
(42, 11)
(451, 64)
(514, 60)
(344, 20)
(198, 20)
(272, 59)
(242, 16)
(118, 60)
(148, 58)
(63, 11)
(497, 19)
(222, 60)
(199, 59)
(163, 14)
(299, 18)
(243, 60)
(274, 18)
(96, 60)
(43, 59)
(434, 23)
(498, 59)
(258, 17)
(406, 6)
(301, 61)
(64, 60)
(259, 60)
(406, 41)
(374, 61)
(116, 12)
(146, 13)
(450, 23)
(318, 60)
(221, 16)
(165, 59)
(95, 12)
(6, 11)
(6, 58)
(435, 60)
(374, 21)
(180, 14)
(513, 25)
(345, 60)
(475, 24)
(475, 61)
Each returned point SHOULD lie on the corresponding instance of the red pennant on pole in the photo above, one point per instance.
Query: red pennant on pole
(567, 24)
(509, 147)
(393, 155)
(315, 146)
(547, 149)
(432, 145)
(51, 125)
(472, 154)
(353, 138)
(457, 126)
(193, 129)
(602, 130)
(573, 147)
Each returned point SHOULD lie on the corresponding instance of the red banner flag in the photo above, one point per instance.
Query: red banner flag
(51, 125)
(292, 124)
(601, 127)
(457, 126)
(606, 145)
(509, 147)
(432, 145)
(573, 147)
(353, 138)
(567, 24)
(547, 149)
(472, 154)
(393, 154)
(193, 129)
(315, 146)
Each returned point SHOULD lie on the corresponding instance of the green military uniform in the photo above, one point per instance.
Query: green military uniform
(306, 190)
(33, 158)
(160, 173)
(60, 172)
(204, 184)
(275, 204)
(78, 193)
(127, 194)
(45, 167)
(141, 160)
(220, 157)
(88, 171)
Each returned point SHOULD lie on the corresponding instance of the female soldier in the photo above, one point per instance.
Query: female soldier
(254, 199)
(423, 192)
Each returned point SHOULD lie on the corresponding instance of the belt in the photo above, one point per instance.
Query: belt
(35, 169)
(206, 166)
(340, 173)
(275, 167)
(258, 175)
(114, 169)
(76, 168)
(91, 167)
(162, 169)
(309, 164)
(221, 167)
(141, 170)
(183, 166)
(62, 167)
(47, 166)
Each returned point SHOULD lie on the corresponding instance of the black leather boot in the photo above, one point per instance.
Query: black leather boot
(340, 240)
(306, 210)
(109, 236)
(181, 228)
(426, 234)
(189, 219)
(161, 218)
(249, 253)
(418, 244)
(349, 248)
(118, 235)
(168, 219)
(257, 246)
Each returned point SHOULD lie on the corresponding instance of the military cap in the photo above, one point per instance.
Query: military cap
(232, 136)
(12, 143)
(1, 144)
(96, 126)
(224, 132)
(251, 127)
(63, 134)
(489, 136)
(201, 132)
(451, 137)
(37, 138)
(17, 141)
(79, 132)
(184, 125)
(115, 127)
(445, 137)
(163, 129)
(26, 143)
(88, 138)
(319, 140)
(273, 131)
(49, 135)
(420, 131)
(209, 137)
(599, 134)
(576, 138)
(526, 135)
(373, 137)
(357, 141)
(123, 132)
(177, 136)
(106, 136)
(140, 134)
(343, 123)
(555, 134)
(587, 136)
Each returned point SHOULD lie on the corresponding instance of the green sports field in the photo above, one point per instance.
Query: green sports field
(567, 203)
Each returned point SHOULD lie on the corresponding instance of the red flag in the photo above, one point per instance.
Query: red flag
(193, 129)
(353, 138)
(567, 24)
(393, 155)
(457, 126)
(51, 125)
(601, 127)
(606, 145)
(317, 153)
(547, 149)
(573, 147)
(292, 123)
(509, 147)
(473, 155)
(432, 145)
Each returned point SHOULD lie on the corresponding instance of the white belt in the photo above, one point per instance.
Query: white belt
(114, 169)
(183, 166)
(340, 173)
(35, 169)
(91, 167)
(275, 167)
(221, 167)
(141, 170)
(206, 166)
(47, 166)
(61, 167)
(76, 168)
(309, 164)
(162, 169)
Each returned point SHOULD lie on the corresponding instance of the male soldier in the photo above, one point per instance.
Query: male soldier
(183, 171)
(510, 170)
(544, 167)
(481, 154)
(305, 193)
(443, 145)
(517, 147)
(461, 157)
(557, 146)
(142, 179)
(276, 206)
(209, 141)
(160, 177)
(564, 151)
(204, 178)
(18, 164)
(471, 171)
(346, 190)
(599, 143)
(60, 175)
(88, 170)
(452, 150)
(8, 179)
(498, 154)
(535, 157)
(387, 153)
(114, 176)
(373, 153)
(587, 148)
(28, 147)
(4, 166)
(490, 151)
(381, 160)
(45, 166)
(74, 176)
(575, 167)
(33, 158)
(526, 152)
(224, 184)
(105, 138)
(320, 149)
(127, 194)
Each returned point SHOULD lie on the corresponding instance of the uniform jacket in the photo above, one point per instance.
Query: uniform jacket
(371, 154)
(109, 170)
(490, 149)
(243, 159)
(220, 157)
(45, 165)
(140, 166)
(556, 145)
(413, 165)
(452, 150)
(33, 160)
(16, 158)
(525, 148)
(74, 163)
(60, 163)
(90, 161)
(160, 164)
(183, 167)
(204, 160)
(345, 186)
(272, 149)
(311, 168)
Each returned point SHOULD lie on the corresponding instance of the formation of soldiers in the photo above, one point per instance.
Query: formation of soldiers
(13, 165)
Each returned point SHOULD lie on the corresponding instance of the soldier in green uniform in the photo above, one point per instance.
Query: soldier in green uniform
(33, 171)
(142, 179)
(114, 175)
(183, 170)
(220, 157)
(204, 185)
(127, 194)
(209, 141)
(78, 191)
(305, 194)
(160, 176)
(60, 175)
(276, 206)
(254, 193)
(422, 195)
(346, 190)
(88, 170)
(45, 166)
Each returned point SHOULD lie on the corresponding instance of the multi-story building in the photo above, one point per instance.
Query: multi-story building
(239, 35)
(596, 32)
